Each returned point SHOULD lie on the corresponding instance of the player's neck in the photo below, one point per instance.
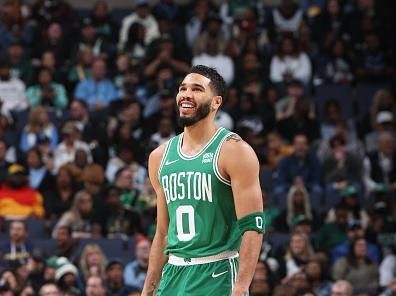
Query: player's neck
(199, 134)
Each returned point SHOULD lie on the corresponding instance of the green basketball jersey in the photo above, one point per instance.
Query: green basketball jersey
(202, 218)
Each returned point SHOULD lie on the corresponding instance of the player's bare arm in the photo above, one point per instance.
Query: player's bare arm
(157, 257)
(238, 162)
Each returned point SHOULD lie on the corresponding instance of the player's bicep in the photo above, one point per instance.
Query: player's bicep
(243, 172)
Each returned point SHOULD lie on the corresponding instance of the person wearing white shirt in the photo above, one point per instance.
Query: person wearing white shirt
(290, 64)
(213, 58)
(12, 91)
(387, 269)
(65, 152)
(141, 15)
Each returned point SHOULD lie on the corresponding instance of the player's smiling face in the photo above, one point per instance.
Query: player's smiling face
(194, 99)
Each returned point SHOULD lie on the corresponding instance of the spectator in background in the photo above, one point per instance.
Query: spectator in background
(12, 91)
(20, 65)
(299, 168)
(89, 38)
(307, 44)
(49, 289)
(55, 11)
(341, 287)
(212, 31)
(66, 277)
(383, 100)
(93, 181)
(212, 57)
(114, 279)
(380, 165)
(18, 246)
(163, 55)
(92, 263)
(124, 181)
(80, 217)
(142, 15)
(289, 63)
(196, 22)
(341, 167)
(54, 40)
(135, 47)
(250, 71)
(7, 134)
(298, 206)
(4, 163)
(38, 128)
(387, 268)
(81, 68)
(330, 24)
(91, 128)
(355, 231)
(127, 156)
(123, 64)
(284, 290)
(164, 87)
(103, 21)
(263, 281)
(350, 201)
(47, 60)
(390, 289)
(298, 252)
(14, 25)
(95, 286)
(337, 66)
(334, 233)
(276, 150)
(116, 221)
(286, 18)
(65, 152)
(166, 110)
(60, 199)
(126, 124)
(98, 91)
(385, 121)
(285, 107)
(317, 277)
(47, 92)
(301, 121)
(135, 272)
(166, 130)
(39, 177)
(35, 273)
(334, 120)
(357, 268)
(17, 198)
(247, 114)
(373, 64)
(66, 245)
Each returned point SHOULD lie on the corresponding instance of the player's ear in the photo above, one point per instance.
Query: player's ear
(217, 100)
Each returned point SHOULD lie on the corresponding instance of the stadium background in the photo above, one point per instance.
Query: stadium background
(310, 87)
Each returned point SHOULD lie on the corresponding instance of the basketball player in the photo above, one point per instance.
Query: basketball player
(209, 203)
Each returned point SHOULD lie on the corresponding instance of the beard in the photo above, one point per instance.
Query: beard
(201, 113)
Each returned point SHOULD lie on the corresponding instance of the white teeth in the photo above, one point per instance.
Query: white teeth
(186, 105)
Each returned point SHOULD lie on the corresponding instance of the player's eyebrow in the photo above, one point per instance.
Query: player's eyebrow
(193, 85)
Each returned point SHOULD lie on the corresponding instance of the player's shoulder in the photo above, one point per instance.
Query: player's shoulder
(157, 154)
(233, 143)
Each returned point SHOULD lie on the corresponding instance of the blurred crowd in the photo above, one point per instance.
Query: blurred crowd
(86, 95)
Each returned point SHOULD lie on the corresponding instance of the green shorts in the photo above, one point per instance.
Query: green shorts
(206, 279)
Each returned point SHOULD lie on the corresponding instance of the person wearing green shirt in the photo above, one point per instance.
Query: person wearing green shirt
(47, 92)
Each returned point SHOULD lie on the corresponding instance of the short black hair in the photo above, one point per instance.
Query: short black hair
(217, 82)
